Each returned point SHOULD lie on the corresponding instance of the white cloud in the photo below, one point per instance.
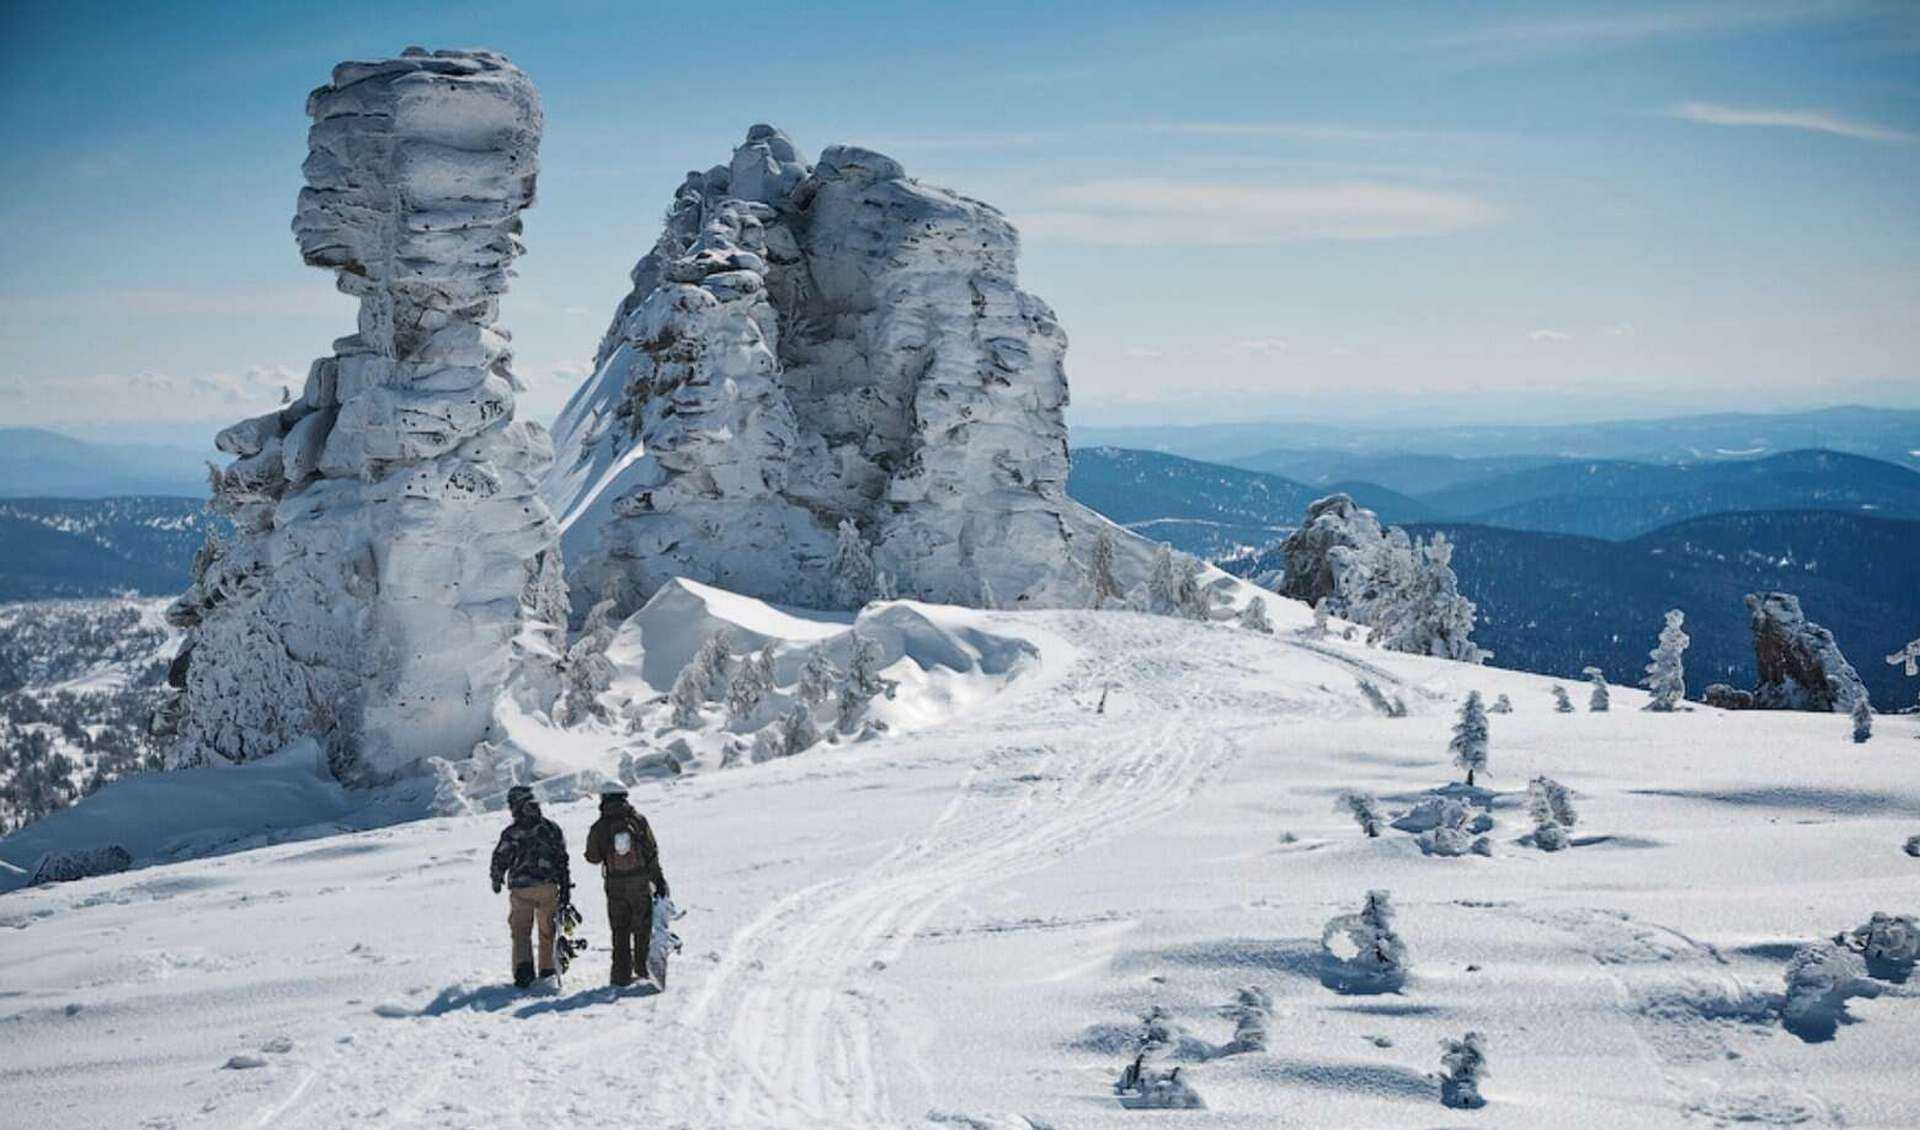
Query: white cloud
(1549, 335)
(1620, 329)
(1712, 114)
(1603, 28)
(1147, 211)
(1260, 346)
(144, 398)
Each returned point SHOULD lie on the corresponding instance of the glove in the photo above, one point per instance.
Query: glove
(496, 886)
(663, 890)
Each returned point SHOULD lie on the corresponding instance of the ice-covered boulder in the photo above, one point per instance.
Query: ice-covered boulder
(80, 863)
(1801, 666)
(807, 349)
(392, 558)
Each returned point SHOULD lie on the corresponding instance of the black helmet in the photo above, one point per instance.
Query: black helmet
(613, 796)
(518, 797)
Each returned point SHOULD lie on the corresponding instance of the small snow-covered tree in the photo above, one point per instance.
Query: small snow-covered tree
(751, 683)
(1501, 705)
(883, 586)
(1191, 599)
(1561, 703)
(1820, 978)
(1106, 589)
(851, 571)
(1361, 951)
(818, 677)
(1666, 671)
(863, 667)
(1551, 806)
(1453, 832)
(686, 698)
(1464, 1065)
(988, 600)
(1163, 586)
(1862, 719)
(587, 670)
(1889, 940)
(1254, 617)
(770, 741)
(797, 733)
(1320, 614)
(449, 795)
(702, 680)
(1601, 700)
(1469, 744)
(1364, 809)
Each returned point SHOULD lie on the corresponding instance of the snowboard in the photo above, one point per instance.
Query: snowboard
(662, 942)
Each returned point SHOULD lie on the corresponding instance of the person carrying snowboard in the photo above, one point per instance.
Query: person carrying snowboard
(531, 860)
(622, 843)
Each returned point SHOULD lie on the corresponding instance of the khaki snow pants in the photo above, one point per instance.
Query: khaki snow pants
(630, 914)
(528, 907)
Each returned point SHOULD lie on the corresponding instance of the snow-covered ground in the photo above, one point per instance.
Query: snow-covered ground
(961, 926)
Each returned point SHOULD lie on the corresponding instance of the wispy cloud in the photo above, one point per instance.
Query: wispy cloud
(1259, 347)
(1147, 212)
(1552, 336)
(147, 397)
(1602, 29)
(1712, 114)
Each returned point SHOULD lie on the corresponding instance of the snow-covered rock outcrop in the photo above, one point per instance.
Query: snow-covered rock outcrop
(826, 386)
(1801, 666)
(392, 557)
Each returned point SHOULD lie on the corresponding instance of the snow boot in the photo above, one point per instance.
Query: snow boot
(547, 974)
(523, 975)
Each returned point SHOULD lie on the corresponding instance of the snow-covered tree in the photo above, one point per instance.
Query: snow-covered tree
(1551, 806)
(496, 767)
(1254, 617)
(1361, 951)
(1501, 705)
(1820, 978)
(863, 667)
(818, 678)
(1395, 707)
(449, 795)
(1464, 1064)
(1469, 744)
(702, 680)
(1601, 700)
(1862, 719)
(852, 568)
(1666, 673)
(1908, 657)
(1453, 831)
(1364, 809)
(1561, 703)
(883, 586)
(1320, 613)
(1890, 943)
(751, 683)
(1191, 599)
(586, 669)
(770, 741)
(1427, 615)
(797, 733)
(1106, 589)
(1163, 585)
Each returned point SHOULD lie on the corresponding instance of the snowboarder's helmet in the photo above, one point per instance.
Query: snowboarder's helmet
(518, 797)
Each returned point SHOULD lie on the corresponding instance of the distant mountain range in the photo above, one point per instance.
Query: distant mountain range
(1555, 603)
(98, 547)
(36, 463)
(1207, 509)
(1888, 434)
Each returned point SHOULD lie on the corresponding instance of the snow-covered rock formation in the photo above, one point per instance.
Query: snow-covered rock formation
(812, 347)
(1800, 664)
(391, 554)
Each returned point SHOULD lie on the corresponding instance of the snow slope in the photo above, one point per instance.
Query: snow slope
(961, 927)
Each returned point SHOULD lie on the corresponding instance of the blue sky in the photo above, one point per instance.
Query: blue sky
(1508, 212)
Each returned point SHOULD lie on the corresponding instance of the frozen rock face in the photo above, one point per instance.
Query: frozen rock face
(811, 345)
(1801, 667)
(392, 555)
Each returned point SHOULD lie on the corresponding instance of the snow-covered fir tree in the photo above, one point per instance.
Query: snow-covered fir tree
(1501, 705)
(852, 568)
(987, 599)
(1106, 589)
(1191, 599)
(1666, 671)
(1562, 704)
(863, 667)
(751, 683)
(586, 670)
(883, 586)
(1320, 613)
(1427, 615)
(1364, 809)
(1463, 1065)
(1551, 807)
(1600, 700)
(1361, 951)
(449, 795)
(1254, 617)
(818, 678)
(1469, 744)
(1862, 719)
(1820, 978)
(797, 732)
(1163, 586)
(702, 680)
(770, 741)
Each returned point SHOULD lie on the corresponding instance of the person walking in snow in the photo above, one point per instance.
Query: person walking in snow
(531, 861)
(622, 843)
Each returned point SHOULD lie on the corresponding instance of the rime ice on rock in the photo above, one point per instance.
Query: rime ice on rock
(392, 555)
(811, 346)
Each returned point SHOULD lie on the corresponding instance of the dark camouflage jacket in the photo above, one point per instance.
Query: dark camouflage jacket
(532, 851)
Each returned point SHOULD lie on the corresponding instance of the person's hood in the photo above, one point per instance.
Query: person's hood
(615, 802)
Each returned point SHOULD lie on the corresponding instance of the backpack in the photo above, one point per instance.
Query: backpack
(625, 847)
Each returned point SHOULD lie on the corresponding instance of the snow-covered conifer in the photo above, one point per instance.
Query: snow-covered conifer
(751, 683)
(1453, 831)
(797, 733)
(987, 599)
(687, 697)
(1163, 586)
(1106, 589)
(1561, 703)
(1820, 978)
(1191, 599)
(883, 586)
(1501, 705)
(863, 667)
(1666, 671)
(702, 680)
(587, 670)
(770, 741)
(1464, 1065)
(1862, 719)
(1469, 744)
(1364, 809)
(852, 568)
(1254, 616)
(449, 795)
(1551, 806)
(818, 677)
(1361, 952)
(1425, 614)
(1601, 700)
(1320, 613)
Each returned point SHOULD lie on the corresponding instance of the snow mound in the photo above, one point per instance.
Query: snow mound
(660, 640)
